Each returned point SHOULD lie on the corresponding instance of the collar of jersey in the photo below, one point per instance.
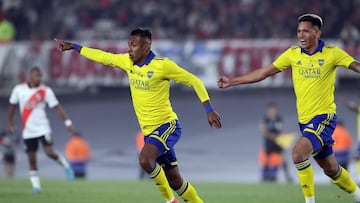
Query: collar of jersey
(318, 49)
(148, 59)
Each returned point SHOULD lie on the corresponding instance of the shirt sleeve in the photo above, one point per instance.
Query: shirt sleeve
(283, 61)
(122, 61)
(342, 58)
(180, 75)
(50, 98)
(14, 98)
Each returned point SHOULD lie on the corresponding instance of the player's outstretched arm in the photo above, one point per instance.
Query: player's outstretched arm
(97, 55)
(213, 117)
(64, 46)
(252, 77)
(355, 66)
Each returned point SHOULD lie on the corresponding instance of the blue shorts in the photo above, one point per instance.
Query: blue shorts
(164, 138)
(319, 131)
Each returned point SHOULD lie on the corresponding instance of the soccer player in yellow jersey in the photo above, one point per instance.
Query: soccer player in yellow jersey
(355, 108)
(313, 63)
(149, 77)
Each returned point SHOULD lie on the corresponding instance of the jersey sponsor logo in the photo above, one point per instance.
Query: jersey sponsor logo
(30, 104)
(310, 72)
(140, 84)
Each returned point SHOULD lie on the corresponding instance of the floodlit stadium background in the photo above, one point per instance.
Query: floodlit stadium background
(207, 37)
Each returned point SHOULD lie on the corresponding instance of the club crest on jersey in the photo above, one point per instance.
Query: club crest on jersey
(150, 73)
(321, 62)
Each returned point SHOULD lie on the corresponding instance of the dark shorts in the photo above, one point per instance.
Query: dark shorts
(9, 158)
(32, 144)
(164, 138)
(319, 131)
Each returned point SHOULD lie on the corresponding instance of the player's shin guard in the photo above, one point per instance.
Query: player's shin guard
(306, 178)
(344, 181)
(159, 178)
(188, 193)
(35, 179)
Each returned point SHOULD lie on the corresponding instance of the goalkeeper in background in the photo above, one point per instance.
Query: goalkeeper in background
(149, 78)
(313, 63)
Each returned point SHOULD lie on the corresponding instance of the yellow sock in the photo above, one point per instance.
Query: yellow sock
(306, 178)
(344, 181)
(159, 178)
(188, 193)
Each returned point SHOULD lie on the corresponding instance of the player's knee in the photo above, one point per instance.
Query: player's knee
(297, 156)
(146, 163)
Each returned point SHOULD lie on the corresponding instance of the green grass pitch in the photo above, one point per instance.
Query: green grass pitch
(99, 191)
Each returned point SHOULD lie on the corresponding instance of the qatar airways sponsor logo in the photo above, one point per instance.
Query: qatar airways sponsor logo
(140, 84)
(310, 73)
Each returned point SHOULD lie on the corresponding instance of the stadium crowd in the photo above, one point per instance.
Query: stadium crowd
(175, 19)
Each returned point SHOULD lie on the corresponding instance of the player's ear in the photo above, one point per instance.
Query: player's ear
(318, 34)
(147, 47)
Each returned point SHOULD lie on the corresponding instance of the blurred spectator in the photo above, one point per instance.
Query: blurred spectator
(187, 20)
(77, 151)
(7, 30)
(350, 34)
(342, 145)
(8, 157)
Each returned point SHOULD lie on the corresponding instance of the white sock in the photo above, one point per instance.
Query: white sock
(356, 195)
(35, 179)
(62, 161)
(169, 201)
(310, 200)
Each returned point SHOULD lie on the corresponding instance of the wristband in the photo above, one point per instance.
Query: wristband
(209, 108)
(68, 122)
(76, 47)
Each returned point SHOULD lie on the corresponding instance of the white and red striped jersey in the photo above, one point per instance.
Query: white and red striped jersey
(32, 103)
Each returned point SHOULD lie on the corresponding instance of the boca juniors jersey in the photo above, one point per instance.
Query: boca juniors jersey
(150, 85)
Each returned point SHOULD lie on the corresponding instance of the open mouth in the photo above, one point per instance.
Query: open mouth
(302, 42)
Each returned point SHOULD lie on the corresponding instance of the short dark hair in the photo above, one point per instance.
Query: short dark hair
(313, 18)
(35, 68)
(272, 104)
(143, 33)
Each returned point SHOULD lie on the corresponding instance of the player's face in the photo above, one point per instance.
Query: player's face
(308, 36)
(138, 49)
(272, 112)
(35, 77)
